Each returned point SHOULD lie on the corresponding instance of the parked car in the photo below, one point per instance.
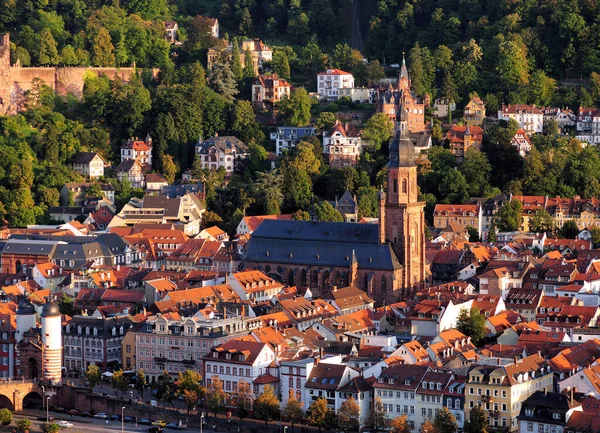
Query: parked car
(101, 415)
(154, 429)
(64, 424)
(129, 419)
(43, 418)
(115, 418)
(145, 421)
(160, 423)
(74, 412)
(86, 414)
(173, 425)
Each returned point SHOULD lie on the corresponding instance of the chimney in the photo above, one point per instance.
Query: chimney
(321, 352)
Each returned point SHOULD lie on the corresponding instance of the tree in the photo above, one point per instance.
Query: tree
(400, 425)
(244, 123)
(317, 413)
(236, 62)
(509, 217)
(293, 411)
(477, 422)
(473, 234)
(377, 130)
(189, 388)
(268, 186)
(445, 422)
(165, 390)
(312, 58)
(65, 304)
(168, 168)
(472, 324)
(92, 375)
(243, 399)
(377, 417)
(248, 65)
(541, 222)
(296, 108)
(103, 49)
(569, 230)
(426, 427)
(140, 382)
(266, 406)
(215, 394)
(541, 88)
(119, 381)
(348, 415)
(48, 53)
(210, 219)
(246, 22)
(5, 417)
(325, 120)
(327, 213)
(281, 64)
(512, 65)
(23, 425)
(477, 172)
(222, 81)
(301, 215)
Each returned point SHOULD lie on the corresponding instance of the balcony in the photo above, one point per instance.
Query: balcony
(486, 398)
(494, 413)
(188, 362)
(159, 359)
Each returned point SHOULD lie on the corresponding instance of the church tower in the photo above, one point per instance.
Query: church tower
(403, 78)
(404, 219)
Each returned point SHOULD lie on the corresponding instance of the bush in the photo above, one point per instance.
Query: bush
(5, 416)
(50, 427)
(23, 425)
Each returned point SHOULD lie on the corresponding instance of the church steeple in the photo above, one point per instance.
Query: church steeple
(403, 78)
(403, 218)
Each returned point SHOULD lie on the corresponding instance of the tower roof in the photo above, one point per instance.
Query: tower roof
(403, 69)
(50, 309)
(25, 308)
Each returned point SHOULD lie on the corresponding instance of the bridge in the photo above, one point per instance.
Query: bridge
(14, 392)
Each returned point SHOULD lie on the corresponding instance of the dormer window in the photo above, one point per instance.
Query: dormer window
(215, 355)
(529, 412)
(380, 380)
(556, 415)
(407, 382)
(425, 384)
(391, 381)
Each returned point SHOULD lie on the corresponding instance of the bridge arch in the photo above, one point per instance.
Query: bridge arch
(33, 400)
(6, 402)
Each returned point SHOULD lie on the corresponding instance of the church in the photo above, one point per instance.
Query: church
(387, 260)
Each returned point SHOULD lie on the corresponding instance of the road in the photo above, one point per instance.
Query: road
(85, 425)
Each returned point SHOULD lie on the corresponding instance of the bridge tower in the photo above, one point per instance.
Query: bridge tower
(51, 342)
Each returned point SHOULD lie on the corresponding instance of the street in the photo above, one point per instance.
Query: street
(84, 425)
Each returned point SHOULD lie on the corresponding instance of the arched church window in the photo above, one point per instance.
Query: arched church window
(404, 186)
(395, 181)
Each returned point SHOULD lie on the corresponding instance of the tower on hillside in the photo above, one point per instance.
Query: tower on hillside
(403, 78)
(404, 219)
(51, 342)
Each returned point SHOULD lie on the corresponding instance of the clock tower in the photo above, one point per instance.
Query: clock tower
(402, 218)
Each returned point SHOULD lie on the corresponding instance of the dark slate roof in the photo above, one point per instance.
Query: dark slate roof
(544, 406)
(289, 132)
(320, 244)
(104, 326)
(127, 165)
(402, 152)
(175, 191)
(170, 205)
(84, 157)
(226, 144)
(29, 247)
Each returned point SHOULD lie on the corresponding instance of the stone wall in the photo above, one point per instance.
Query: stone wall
(16, 80)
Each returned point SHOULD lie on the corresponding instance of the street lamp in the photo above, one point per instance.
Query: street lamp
(47, 406)
(122, 420)
(201, 422)
(43, 396)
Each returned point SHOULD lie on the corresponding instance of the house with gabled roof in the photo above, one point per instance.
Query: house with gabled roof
(474, 112)
(324, 381)
(269, 89)
(343, 145)
(221, 151)
(348, 299)
(529, 117)
(88, 164)
(240, 362)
